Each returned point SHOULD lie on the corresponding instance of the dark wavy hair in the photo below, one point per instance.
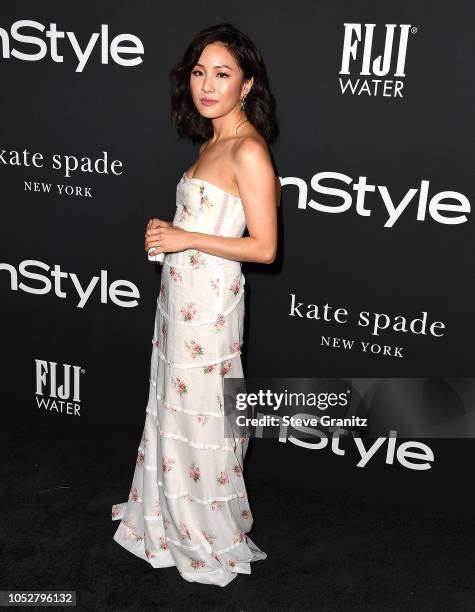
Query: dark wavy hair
(260, 103)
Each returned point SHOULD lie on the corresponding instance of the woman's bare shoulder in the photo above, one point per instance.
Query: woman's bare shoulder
(253, 149)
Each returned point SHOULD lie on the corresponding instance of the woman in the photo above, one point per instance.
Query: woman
(188, 505)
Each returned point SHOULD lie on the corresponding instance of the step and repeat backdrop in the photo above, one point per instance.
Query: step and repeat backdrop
(374, 274)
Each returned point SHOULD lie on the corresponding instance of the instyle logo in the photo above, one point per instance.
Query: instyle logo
(416, 203)
(411, 454)
(49, 279)
(20, 31)
(358, 59)
(60, 385)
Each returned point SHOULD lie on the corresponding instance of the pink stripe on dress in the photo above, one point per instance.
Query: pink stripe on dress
(222, 212)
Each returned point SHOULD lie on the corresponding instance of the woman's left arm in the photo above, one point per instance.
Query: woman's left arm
(259, 189)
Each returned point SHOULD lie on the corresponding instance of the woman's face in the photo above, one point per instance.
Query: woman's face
(216, 76)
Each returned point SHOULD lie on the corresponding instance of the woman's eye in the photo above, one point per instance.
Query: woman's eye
(198, 72)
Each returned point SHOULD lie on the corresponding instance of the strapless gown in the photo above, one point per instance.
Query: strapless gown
(188, 505)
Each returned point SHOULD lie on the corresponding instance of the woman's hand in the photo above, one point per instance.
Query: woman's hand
(166, 237)
(154, 223)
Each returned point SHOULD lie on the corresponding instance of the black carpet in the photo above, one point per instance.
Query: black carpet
(338, 537)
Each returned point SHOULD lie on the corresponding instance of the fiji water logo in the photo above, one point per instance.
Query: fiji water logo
(58, 388)
(370, 74)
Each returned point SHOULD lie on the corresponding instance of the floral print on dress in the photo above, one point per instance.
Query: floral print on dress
(197, 260)
(184, 532)
(205, 202)
(209, 537)
(202, 419)
(245, 514)
(115, 512)
(209, 368)
(140, 457)
(194, 472)
(235, 347)
(134, 495)
(223, 478)
(163, 543)
(185, 212)
(167, 463)
(175, 274)
(188, 311)
(237, 470)
(179, 385)
(225, 368)
(220, 321)
(197, 564)
(133, 530)
(216, 505)
(239, 537)
(235, 285)
(194, 348)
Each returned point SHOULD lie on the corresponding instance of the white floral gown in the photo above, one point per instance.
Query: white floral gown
(188, 504)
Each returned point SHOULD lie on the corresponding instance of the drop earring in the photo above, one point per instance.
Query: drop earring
(243, 102)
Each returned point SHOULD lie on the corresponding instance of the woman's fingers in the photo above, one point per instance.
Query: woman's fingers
(154, 228)
(154, 232)
(153, 236)
(158, 223)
